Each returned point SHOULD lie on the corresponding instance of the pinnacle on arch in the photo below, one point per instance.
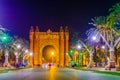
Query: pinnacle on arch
(61, 29)
(37, 29)
(31, 29)
(49, 31)
(66, 29)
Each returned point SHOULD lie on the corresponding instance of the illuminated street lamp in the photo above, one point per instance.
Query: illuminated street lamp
(79, 47)
(105, 55)
(16, 54)
(52, 53)
(67, 54)
(26, 51)
(103, 47)
(31, 58)
(31, 54)
(94, 38)
(18, 46)
(24, 55)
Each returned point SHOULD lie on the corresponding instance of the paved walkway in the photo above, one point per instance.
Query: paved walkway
(55, 74)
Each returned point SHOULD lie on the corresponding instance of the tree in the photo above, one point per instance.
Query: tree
(112, 43)
(5, 41)
(106, 28)
(99, 23)
(114, 16)
(90, 50)
(114, 20)
(6, 46)
(20, 46)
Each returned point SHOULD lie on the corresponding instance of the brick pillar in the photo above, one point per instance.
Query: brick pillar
(66, 46)
(31, 38)
(61, 53)
(36, 42)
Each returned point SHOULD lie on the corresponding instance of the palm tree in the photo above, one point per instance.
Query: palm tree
(114, 15)
(6, 47)
(100, 24)
(89, 49)
(114, 19)
(113, 41)
(26, 50)
(5, 42)
(107, 30)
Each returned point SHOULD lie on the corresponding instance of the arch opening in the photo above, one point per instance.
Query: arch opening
(49, 54)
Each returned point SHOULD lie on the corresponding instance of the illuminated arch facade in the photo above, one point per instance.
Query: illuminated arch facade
(59, 40)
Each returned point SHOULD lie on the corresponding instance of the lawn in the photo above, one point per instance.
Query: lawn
(108, 72)
(4, 70)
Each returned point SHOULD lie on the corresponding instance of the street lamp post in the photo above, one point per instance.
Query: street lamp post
(94, 38)
(31, 59)
(105, 55)
(17, 53)
(24, 55)
(52, 56)
(79, 47)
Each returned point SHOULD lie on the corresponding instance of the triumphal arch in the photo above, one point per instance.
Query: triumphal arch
(49, 46)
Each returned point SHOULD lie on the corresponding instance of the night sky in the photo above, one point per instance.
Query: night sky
(19, 15)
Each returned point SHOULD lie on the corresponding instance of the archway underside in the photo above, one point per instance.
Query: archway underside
(49, 54)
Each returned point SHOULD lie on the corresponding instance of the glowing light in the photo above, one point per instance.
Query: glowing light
(94, 38)
(67, 54)
(52, 53)
(103, 47)
(16, 53)
(18, 46)
(71, 51)
(4, 37)
(79, 46)
(26, 51)
(31, 54)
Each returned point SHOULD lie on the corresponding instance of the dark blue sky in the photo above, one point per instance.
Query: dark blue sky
(19, 15)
